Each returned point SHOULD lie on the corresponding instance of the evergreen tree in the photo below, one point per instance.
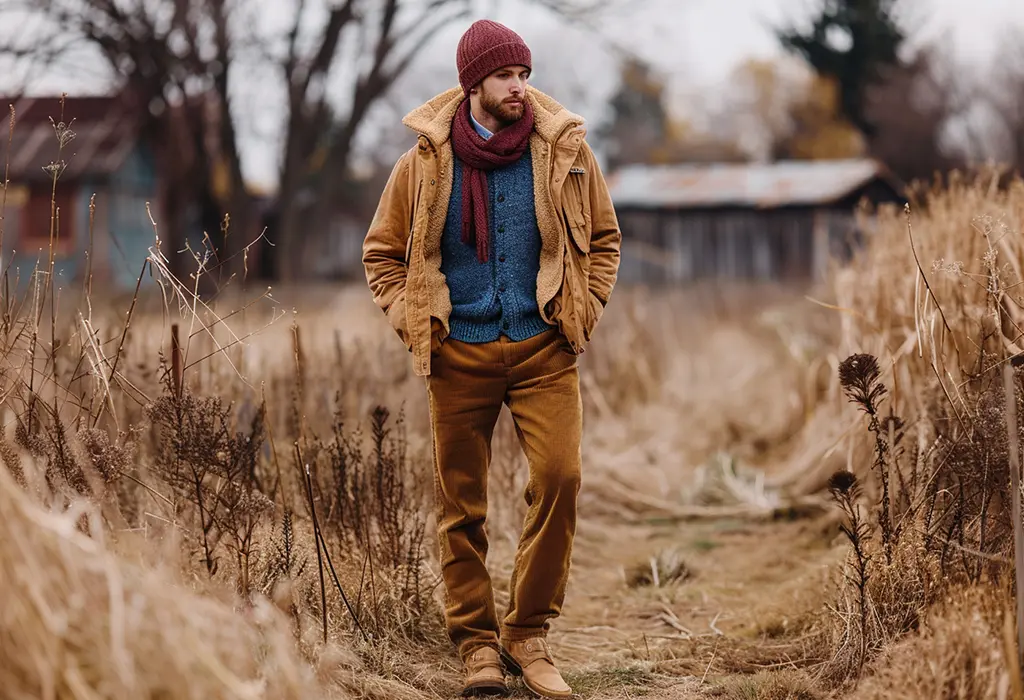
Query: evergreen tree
(852, 42)
(639, 122)
(642, 130)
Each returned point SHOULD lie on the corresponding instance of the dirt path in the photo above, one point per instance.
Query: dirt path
(740, 584)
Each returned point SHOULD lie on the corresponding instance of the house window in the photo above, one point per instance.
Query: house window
(35, 220)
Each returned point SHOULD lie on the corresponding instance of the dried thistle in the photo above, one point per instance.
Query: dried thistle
(858, 375)
(846, 492)
(841, 483)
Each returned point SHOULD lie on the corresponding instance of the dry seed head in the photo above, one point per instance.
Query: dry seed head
(110, 459)
(34, 443)
(55, 169)
(860, 368)
(64, 133)
(952, 268)
(858, 375)
(12, 460)
(842, 482)
(989, 258)
(252, 502)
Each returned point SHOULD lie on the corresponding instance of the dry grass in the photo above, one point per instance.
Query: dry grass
(666, 568)
(220, 496)
(964, 643)
(767, 685)
(80, 621)
(925, 488)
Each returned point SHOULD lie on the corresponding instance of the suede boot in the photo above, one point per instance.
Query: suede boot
(531, 659)
(484, 674)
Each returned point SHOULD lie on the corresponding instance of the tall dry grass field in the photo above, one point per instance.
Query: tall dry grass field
(227, 494)
(931, 313)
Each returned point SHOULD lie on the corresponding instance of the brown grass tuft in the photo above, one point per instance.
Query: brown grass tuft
(767, 685)
(666, 568)
(959, 654)
(79, 622)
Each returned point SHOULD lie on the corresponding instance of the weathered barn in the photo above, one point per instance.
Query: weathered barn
(778, 221)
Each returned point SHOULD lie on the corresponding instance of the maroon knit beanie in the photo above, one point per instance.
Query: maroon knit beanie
(484, 48)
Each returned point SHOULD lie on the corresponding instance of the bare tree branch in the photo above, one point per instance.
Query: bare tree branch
(186, 56)
(336, 22)
(292, 59)
(427, 30)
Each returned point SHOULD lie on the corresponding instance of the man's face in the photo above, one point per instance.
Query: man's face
(502, 93)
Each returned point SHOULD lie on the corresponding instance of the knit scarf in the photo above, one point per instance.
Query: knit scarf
(479, 156)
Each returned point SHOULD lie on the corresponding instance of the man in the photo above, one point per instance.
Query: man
(493, 253)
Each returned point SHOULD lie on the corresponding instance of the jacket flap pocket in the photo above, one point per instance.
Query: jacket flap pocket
(574, 204)
(579, 233)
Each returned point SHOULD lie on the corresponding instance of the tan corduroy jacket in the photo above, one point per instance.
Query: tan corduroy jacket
(579, 230)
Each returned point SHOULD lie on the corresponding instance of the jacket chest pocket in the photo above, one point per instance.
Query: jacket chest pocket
(576, 208)
(576, 312)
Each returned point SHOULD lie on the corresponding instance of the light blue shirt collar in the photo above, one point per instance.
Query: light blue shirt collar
(480, 128)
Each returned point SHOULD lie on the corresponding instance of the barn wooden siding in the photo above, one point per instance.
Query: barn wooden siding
(783, 221)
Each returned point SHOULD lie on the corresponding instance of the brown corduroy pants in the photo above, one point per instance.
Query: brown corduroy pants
(538, 379)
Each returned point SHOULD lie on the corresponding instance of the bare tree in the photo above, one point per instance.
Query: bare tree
(391, 33)
(912, 106)
(181, 61)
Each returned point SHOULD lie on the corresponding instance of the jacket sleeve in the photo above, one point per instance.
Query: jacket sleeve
(605, 237)
(384, 248)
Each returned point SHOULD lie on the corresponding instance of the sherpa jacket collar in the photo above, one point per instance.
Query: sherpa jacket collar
(433, 119)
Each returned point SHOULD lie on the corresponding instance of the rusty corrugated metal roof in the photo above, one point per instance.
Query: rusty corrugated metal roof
(104, 128)
(758, 185)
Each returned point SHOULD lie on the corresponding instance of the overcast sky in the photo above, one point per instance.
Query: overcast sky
(695, 43)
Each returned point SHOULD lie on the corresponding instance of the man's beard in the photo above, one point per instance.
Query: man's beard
(505, 114)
